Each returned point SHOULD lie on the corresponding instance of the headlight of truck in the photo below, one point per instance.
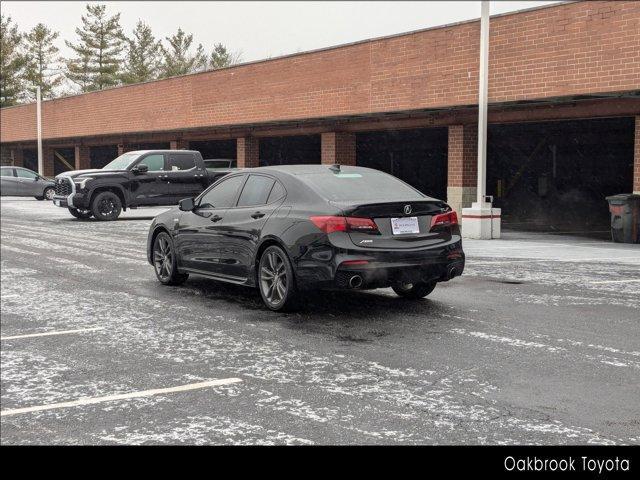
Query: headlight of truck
(81, 184)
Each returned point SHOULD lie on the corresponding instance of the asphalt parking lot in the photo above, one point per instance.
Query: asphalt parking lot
(537, 343)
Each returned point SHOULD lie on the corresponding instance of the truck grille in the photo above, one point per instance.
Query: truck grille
(63, 186)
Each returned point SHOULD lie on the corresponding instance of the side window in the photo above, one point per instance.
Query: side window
(181, 161)
(155, 162)
(6, 172)
(277, 192)
(222, 195)
(26, 174)
(255, 191)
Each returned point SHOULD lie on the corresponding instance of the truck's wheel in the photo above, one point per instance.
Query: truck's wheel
(106, 206)
(164, 261)
(414, 291)
(81, 214)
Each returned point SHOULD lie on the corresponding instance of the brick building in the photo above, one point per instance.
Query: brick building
(564, 112)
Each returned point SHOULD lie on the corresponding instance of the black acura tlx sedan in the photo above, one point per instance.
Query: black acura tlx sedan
(288, 228)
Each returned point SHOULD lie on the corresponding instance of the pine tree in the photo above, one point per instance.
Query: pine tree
(177, 60)
(143, 58)
(12, 63)
(97, 62)
(41, 62)
(221, 57)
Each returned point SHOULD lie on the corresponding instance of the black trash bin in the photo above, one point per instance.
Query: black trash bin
(625, 217)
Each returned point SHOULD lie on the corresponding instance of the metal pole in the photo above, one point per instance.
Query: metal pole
(39, 127)
(482, 102)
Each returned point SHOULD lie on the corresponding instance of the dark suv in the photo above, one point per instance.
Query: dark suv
(134, 179)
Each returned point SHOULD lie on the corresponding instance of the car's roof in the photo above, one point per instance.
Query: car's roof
(309, 169)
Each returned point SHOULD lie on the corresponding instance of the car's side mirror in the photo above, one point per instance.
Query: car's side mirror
(186, 205)
(141, 168)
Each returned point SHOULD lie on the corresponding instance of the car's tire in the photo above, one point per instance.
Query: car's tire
(276, 280)
(165, 263)
(80, 214)
(106, 206)
(48, 193)
(414, 291)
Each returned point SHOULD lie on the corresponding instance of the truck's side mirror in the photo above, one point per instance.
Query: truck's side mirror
(140, 168)
(187, 205)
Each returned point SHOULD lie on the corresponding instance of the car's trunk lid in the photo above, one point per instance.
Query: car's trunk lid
(412, 222)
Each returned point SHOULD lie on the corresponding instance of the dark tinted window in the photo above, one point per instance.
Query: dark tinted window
(181, 161)
(255, 191)
(222, 195)
(360, 184)
(6, 172)
(277, 192)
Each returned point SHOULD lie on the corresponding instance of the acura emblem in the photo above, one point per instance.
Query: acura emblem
(407, 209)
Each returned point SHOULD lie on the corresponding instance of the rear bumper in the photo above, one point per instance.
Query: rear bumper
(332, 267)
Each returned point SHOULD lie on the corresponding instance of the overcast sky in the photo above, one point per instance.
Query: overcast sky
(264, 28)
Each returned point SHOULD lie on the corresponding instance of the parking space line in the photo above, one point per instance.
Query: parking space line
(46, 334)
(628, 280)
(121, 396)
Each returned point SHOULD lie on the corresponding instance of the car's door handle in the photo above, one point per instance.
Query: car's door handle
(257, 215)
(216, 218)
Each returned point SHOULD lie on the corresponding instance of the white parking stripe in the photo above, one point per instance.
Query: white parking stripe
(46, 334)
(628, 280)
(121, 396)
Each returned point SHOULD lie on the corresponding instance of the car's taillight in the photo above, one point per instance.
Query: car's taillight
(329, 224)
(444, 219)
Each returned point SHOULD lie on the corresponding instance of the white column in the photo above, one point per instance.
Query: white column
(39, 127)
(481, 220)
(482, 102)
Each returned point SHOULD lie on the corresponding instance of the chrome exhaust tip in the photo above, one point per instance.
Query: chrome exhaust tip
(453, 272)
(355, 281)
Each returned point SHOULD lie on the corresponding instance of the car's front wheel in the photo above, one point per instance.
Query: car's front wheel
(106, 206)
(276, 280)
(81, 214)
(414, 291)
(165, 262)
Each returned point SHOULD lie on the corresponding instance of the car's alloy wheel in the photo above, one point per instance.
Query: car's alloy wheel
(49, 193)
(164, 261)
(275, 278)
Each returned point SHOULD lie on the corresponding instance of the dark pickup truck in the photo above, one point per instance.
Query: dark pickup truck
(134, 179)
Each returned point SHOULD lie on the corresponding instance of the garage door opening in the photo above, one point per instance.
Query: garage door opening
(100, 156)
(64, 159)
(555, 176)
(301, 149)
(30, 159)
(215, 149)
(418, 157)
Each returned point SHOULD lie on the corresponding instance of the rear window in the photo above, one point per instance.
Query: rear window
(6, 172)
(360, 185)
(255, 191)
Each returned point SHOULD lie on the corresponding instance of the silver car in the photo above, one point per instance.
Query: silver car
(22, 182)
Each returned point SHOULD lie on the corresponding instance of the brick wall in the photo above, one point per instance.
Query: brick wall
(248, 152)
(338, 147)
(462, 156)
(567, 49)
